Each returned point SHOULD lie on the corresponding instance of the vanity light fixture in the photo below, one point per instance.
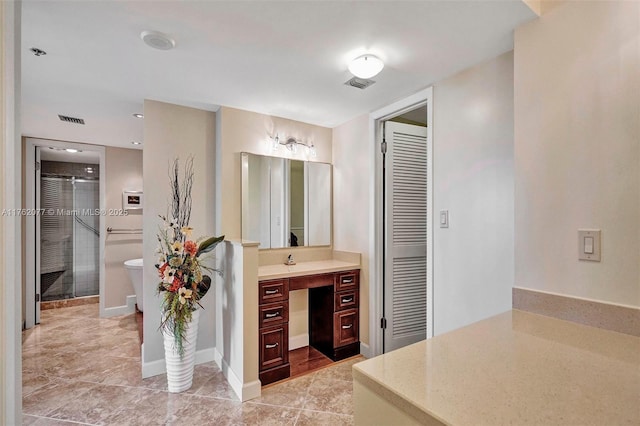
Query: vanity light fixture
(72, 150)
(292, 144)
(366, 66)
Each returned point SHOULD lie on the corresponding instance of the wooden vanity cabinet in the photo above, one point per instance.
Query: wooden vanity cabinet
(334, 313)
(334, 316)
(273, 331)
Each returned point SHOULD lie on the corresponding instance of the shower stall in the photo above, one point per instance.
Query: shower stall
(69, 236)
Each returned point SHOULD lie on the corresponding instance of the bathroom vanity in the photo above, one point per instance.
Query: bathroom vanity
(334, 290)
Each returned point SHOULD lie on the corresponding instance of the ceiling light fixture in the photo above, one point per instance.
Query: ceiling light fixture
(157, 40)
(366, 66)
(72, 150)
(138, 115)
(136, 143)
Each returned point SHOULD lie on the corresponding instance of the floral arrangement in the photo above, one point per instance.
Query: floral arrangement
(180, 262)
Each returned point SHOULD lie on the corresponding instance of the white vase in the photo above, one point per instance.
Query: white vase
(180, 369)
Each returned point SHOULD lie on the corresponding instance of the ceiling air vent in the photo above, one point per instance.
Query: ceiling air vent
(360, 83)
(73, 120)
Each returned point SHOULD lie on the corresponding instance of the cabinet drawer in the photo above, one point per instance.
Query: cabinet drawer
(273, 290)
(345, 300)
(347, 280)
(274, 346)
(345, 327)
(311, 281)
(273, 313)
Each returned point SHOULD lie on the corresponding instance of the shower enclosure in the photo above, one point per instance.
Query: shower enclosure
(69, 236)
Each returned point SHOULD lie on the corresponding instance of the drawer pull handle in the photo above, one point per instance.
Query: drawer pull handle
(271, 346)
(347, 299)
(270, 291)
(347, 280)
(347, 326)
(275, 314)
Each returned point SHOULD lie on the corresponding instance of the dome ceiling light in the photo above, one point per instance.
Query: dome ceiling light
(366, 66)
(157, 40)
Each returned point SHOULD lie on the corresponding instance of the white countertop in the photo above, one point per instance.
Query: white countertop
(269, 272)
(516, 368)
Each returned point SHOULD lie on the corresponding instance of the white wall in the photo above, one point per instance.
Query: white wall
(124, 172)
(577, 149)
(172, 131)
(10, 193)
(352, 177)
(473, 179)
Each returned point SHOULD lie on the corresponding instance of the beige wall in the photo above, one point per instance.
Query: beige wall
(577, 150)
(352, 177)
(473, 180)
(244, 131)
(172, 131)
(123, 172)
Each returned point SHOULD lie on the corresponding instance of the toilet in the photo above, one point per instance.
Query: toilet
(134, 268)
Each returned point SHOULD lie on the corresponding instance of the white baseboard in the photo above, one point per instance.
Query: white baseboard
(155, 368)
(244, 391)
(299, 341)
(205, 355)
(365, 350)
(116, 311)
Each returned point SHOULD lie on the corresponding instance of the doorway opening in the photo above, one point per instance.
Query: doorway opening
(401, 304)
(65, 189)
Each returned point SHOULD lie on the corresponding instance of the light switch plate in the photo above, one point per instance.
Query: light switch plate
(589, 245)
(444, 218)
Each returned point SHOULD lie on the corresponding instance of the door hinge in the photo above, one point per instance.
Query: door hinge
(38, 297)
(383, 147)
(37, 165)
(383, 323)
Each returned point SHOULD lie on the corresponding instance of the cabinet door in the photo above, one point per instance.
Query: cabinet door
(274, 346)
(345, 327)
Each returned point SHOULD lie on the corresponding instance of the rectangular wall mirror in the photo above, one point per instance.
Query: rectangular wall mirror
(285, 203)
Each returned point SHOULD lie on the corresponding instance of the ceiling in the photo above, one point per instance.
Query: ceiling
(287, 59)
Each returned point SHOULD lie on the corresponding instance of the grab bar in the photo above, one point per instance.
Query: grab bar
(111, 230)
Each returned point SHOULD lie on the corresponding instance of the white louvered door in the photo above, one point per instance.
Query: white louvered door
(405, 286)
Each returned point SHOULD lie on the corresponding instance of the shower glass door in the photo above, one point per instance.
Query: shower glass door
(69, 237)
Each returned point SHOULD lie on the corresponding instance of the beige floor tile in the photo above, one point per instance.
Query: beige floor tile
(52, 396)
(265, 415)
(334, 396)
(316, 418)
(78, 367)
(340, 371)
(291, 393)
(98, 404)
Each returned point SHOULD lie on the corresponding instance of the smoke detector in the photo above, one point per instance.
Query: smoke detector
(157, 40)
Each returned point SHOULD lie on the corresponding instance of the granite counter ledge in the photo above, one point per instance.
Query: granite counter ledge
(514, 368)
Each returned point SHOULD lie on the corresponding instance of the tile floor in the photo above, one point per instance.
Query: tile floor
(80, 369)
